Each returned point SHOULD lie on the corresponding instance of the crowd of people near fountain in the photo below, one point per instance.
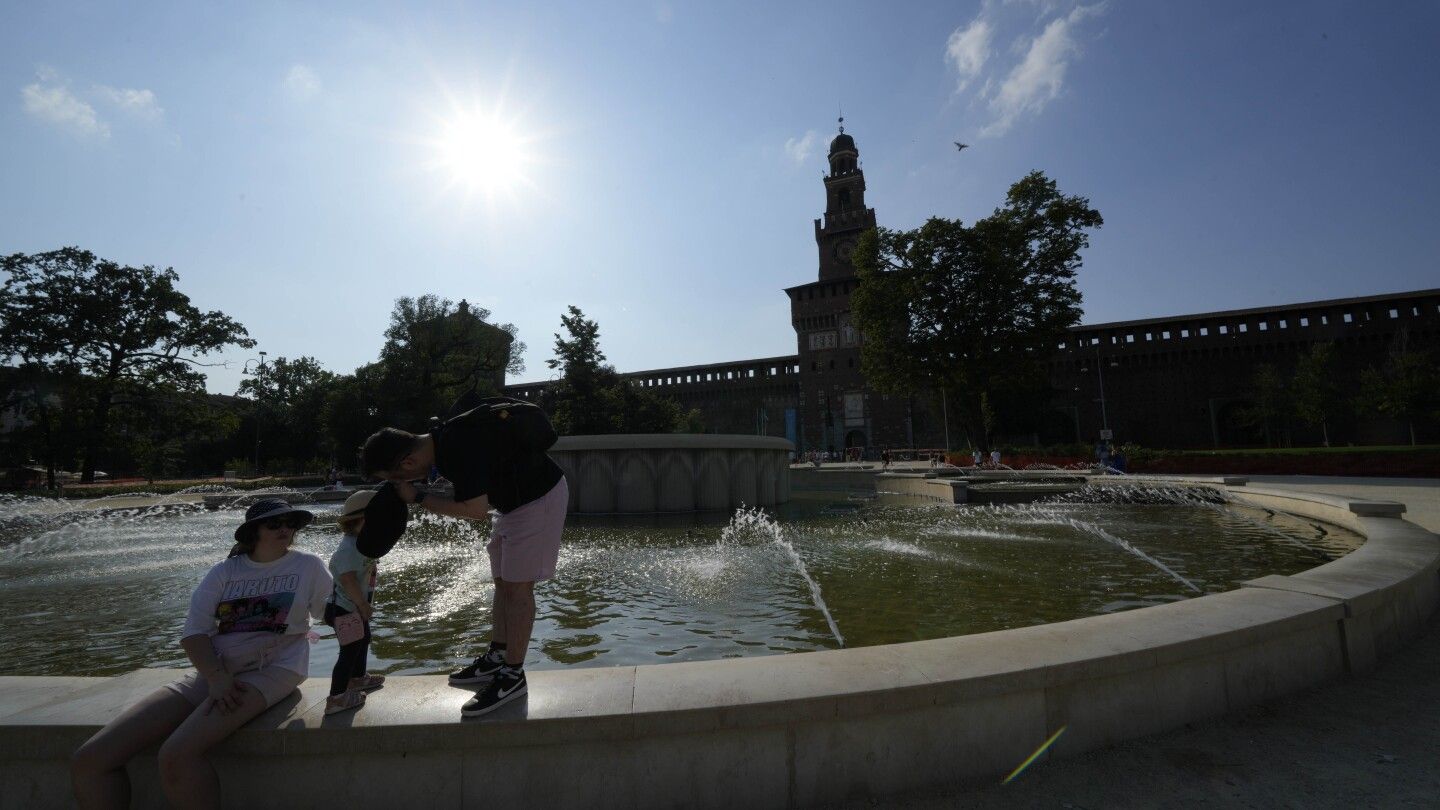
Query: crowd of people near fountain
(247, 630)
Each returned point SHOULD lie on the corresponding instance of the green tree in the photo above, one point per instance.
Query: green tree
(1316, 394)
(436, 350)
(1270, 400)
(114, 325)
(591, 398)
(288, 401)
(1405, 388)
(972, 313)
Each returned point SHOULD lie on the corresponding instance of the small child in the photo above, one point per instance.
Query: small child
(355, 576)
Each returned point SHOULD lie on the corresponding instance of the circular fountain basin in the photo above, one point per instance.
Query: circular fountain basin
(776, 730)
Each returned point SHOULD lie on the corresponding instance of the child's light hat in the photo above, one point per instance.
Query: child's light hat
(356, 503)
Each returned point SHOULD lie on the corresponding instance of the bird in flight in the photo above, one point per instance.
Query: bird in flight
(961, 147)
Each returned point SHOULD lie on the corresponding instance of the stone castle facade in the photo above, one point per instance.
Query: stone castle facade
(1178, 382)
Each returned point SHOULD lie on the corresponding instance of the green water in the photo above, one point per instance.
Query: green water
(97, 595)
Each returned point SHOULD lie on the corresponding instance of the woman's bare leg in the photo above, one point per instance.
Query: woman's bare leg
(97, 769)
(186, 775)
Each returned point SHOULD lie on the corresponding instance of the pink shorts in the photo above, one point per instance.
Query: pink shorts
(525, 542)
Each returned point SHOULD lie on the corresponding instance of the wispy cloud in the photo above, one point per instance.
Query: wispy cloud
(968, 49)
(302, 83)
(799, 149)
(139, 103)
(1026, 86)
(49, 99)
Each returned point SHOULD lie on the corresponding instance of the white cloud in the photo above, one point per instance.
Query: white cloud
(52, 102)
(799, 149)
(1040, 76)
(139, 103)
(302, 83)
(1038, 62)
(968, 49)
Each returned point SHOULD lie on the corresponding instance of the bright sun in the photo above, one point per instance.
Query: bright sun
(483, 153)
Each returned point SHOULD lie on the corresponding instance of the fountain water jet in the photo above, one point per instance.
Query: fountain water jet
(754, 521)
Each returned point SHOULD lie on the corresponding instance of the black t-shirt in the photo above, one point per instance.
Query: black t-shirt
(477, 452)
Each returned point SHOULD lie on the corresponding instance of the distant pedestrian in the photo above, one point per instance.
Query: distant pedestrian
(885, 459)
(995, 457)
(975, 457)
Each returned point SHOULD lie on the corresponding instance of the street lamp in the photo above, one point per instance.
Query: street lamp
(1100, 372)
(260, 367)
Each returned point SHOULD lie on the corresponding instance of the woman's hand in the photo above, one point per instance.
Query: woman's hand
(365, 609)
(225, 692)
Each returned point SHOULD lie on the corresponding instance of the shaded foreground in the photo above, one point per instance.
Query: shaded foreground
(1367, 741)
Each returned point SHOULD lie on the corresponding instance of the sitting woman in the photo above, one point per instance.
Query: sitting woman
(246, 635)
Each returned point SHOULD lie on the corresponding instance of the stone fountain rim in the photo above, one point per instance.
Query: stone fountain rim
(670, 441)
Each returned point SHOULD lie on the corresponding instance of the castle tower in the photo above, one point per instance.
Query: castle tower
(835, 409)
(846, 216)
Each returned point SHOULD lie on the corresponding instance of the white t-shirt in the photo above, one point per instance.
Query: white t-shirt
(257, 614)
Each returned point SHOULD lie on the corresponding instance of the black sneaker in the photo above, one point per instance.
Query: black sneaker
(506, 686)
(483, 669)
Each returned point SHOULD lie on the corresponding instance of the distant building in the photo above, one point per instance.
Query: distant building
(1179, 381)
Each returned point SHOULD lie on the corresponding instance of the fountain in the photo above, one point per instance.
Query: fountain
(972, 634)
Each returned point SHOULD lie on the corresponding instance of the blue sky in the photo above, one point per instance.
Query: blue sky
(292, 161)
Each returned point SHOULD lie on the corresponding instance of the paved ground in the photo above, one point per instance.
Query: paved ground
(1371, 741)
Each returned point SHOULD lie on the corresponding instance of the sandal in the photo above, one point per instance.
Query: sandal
(365, 683)
(344, 702)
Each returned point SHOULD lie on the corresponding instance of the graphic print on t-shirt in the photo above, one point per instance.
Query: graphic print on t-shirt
(259, 605)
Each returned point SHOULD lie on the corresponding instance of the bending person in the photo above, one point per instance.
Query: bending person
(495, 456)
(246, 635)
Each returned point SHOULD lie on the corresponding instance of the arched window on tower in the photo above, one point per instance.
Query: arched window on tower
(844, 199)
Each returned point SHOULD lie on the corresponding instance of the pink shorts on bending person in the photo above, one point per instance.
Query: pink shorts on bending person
(525, 542)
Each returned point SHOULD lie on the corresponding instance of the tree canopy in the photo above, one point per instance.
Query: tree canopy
(435, 350)
(973, 312)
(107, 327)
(592, 398)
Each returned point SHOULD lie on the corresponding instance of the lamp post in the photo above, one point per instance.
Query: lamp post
(260, 367)
(1100, 373)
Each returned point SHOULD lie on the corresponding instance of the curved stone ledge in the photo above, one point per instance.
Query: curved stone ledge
(797, 729)
(673, 472)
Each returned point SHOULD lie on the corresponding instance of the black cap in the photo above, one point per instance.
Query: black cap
(264, 509)
(385, 519)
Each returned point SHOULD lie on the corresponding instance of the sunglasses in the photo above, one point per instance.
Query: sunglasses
(277, 523)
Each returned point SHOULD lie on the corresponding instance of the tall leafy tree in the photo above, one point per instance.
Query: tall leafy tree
(592, 398)
(1317, 394)
(288, 399)
(113, 325)
(435, 350)
(1270, 400)
(972, 313)
(1406, 387)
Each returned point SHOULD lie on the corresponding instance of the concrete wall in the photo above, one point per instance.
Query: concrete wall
(791, 730)
(671, 472)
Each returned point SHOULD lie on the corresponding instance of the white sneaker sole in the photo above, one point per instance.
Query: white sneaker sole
(475, 679)
(465, 711)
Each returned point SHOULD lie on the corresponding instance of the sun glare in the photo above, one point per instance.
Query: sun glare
(483, 153)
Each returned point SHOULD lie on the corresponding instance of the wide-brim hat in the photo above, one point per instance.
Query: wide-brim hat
(356, 503)
(386, 516)
(263, 510)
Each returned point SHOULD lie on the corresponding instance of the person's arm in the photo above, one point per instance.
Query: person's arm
(321, 585)
(477, 508)
(350, 584)
(225, 691)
